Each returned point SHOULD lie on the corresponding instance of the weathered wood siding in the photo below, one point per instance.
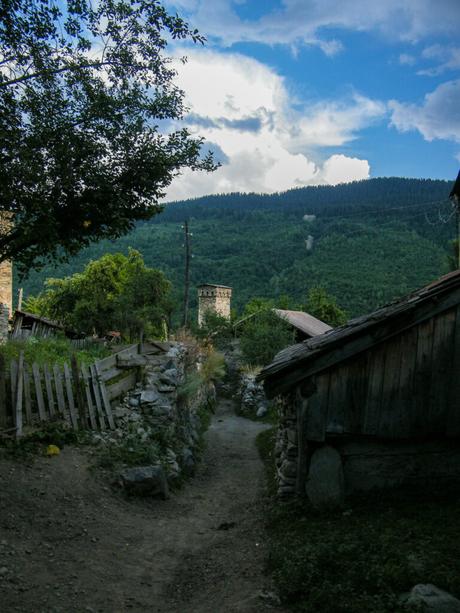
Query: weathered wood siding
(405, 387)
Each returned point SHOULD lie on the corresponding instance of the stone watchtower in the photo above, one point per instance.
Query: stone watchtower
(214, 298)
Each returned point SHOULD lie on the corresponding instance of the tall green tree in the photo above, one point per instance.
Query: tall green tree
(84, 87)
(322, 305)
(116, 292)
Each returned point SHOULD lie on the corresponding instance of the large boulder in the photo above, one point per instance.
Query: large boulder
(325, 483)
(145, 481)
(428, 598)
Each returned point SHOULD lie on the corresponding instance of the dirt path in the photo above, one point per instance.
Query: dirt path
(69, 544)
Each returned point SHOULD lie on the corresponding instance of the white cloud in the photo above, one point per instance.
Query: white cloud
(406, 59)
(338, 169)
(437, 118)
(301, 21)
(244, 109)
(448, 58)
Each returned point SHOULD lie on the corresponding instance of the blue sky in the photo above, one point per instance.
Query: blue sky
(303, 92)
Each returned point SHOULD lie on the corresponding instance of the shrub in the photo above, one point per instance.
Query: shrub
(262, 336)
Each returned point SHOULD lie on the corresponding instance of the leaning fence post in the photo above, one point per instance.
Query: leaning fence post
(19, 389)
(3, 412)
(79, 392)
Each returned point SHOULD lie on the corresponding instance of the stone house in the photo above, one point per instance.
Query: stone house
(374, 403)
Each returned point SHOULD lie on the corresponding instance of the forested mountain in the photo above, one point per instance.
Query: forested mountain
(371, 241)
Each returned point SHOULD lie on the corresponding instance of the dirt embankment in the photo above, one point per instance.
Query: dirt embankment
(68, 543)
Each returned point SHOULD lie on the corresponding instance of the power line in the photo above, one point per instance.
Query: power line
(383, 211)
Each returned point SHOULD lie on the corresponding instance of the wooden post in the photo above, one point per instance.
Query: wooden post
(187, 273)
(49, 390)
(79, 392)
(13, 380)
(105, 398)
(27, 395)
(20, 297)
(97, 396)
(89, 401)
(70, 398)
(19, 389)
(39, 391)
(59, 390)
(3, 412)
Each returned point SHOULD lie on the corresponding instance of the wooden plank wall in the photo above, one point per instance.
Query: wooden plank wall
(80, 395)
(406, 387)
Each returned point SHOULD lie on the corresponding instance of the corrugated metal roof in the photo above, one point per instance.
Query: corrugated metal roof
(303, 321)
(303, 357)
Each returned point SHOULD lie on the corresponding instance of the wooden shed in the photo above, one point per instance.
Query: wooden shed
(29, 324)
(383, 391)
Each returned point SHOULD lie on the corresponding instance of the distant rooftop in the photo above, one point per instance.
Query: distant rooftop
(304, 322)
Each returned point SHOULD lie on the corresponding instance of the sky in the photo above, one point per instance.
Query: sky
(289, 93)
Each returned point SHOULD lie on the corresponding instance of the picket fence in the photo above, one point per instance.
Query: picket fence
(78, 394)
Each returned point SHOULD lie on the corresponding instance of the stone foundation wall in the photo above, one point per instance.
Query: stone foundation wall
(341, 466)
(286, 447)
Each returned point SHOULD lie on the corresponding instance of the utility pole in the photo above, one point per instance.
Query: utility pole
(188, 257)
(455, 198)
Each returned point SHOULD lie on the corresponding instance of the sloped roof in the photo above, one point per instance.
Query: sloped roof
(39, 318)
(303, 321)
(297, 362)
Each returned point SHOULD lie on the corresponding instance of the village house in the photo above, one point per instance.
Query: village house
(374, 403)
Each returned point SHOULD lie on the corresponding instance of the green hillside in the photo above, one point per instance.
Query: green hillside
(372, 241)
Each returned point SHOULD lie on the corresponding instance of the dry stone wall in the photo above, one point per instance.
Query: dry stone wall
(3, 323)
(161, 420)
(286, 447)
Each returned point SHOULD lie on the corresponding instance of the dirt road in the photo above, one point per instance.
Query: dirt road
(69, 544)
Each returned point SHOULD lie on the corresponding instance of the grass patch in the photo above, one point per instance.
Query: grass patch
(35, 442)
(131, 452)
(363, 559)
(50, 351)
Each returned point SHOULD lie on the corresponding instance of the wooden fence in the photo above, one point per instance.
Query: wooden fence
(78, 394)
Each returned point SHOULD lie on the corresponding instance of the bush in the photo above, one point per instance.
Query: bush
(262, 336)
(322, 305)
(216, 329)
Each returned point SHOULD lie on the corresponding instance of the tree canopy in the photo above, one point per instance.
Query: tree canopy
(84, 88)
(116, 292)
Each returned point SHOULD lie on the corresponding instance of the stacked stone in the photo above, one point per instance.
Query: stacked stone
(252, 396)
(155, 411)
(4, 314)
(286, 448)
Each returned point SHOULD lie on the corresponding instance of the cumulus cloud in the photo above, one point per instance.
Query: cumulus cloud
(243, 108)
(307, 22)
(437, 118)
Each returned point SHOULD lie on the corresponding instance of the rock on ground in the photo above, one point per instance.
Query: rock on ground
(325, 483)
(428, 598)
